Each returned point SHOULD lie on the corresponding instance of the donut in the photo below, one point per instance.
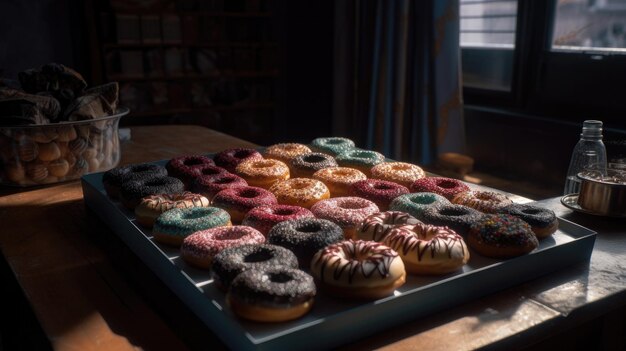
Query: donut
(542, 221)
(428, 249)
(59, 167)
(446, 187)
(305, 236)
(363, 160)
(133, 191)
(186, 168)
(273, 295)
(27, 150)
(332, 146)
(173, 226)
(49, 151)
(381, 192)
(152, 206)
(348, 212)
(232, 261)
(210, 185)
(304, 166)
(483, 201)
(378, 225)
(398, 172)
(358, 269)
(501, 236)
(286, 152)
(199, 248)
(262, 172)
(238, 201)
(304, 192)
(416, 203)
(230, 158)
(339, 180)
(66, 133)
(263, 218)
(457, 217)
(113, 179)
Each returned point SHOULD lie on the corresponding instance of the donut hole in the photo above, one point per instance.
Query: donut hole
(298, 185)
(193, 162)
(453, 212)
(447, 184)
(314, 159)
(400, 167)
(531, 211)
(360, 154)
(258, 256)
(342, 173)
(209, 171)
(264, 164)
(225, 180)
(248, 193)
(242, 154)
(351, 205)
(284, 212)
(309, 228)
(155, 182)
(279, 277)
(382, 186)
(335, 141)
(423, 200)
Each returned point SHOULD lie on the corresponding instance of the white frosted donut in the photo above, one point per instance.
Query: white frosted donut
(378, 225)
(428, 249)
(358, 269)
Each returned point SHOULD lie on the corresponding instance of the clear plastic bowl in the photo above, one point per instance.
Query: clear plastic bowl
(58, 152)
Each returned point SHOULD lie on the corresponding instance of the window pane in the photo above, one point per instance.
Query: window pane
(584, 25)
(488, 42)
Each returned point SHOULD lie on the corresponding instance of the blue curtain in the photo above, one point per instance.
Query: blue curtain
(406, 96)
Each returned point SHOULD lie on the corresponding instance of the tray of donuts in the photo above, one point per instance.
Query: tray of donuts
(312, 246)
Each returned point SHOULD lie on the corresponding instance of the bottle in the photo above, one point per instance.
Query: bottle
(589, 155)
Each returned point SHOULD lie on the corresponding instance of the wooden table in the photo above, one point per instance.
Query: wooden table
(88, 291)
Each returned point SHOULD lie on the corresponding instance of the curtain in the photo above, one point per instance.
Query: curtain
(397, 84)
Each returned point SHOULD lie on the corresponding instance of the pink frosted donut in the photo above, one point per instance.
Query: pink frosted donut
(238, 201)
(199, 248)
(210, 185)
(186, 168)
(263, 218)
(381, 192)
(231, 158)
(347, 212)
(446, 187)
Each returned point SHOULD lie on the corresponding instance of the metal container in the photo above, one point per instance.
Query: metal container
(605, 196)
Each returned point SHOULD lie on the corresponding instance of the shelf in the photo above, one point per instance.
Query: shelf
(240, 74)
(198, 110)
(118, 46)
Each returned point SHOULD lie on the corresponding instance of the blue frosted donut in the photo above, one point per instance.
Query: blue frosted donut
(416, 203)
(173, 226)
(332, 146)
(363, 160)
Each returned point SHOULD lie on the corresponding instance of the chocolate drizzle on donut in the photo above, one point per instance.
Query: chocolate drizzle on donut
(425, 239)
(380, 224)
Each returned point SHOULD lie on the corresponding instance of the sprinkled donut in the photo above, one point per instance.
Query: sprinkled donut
(446, 187)
(381, 192)
(238, 201)
(348, 212)
(273, 295)
(262, 173)
(263, 218)
(210, 185)
(230, 158)
(304, 192)
(358, 269)
(232, 261)
(501, 236)
(427, 249)
(339, 180)
(542, 221)
(186, 168)
(332, 146)
(304, 166)
(199, 248)
(173, 226)
(286, 152)
(416, 203)
(152, 206)
(113, 179)
(363, 160)
(305, 236)
(398, 172)
(458, 217)
(133, 191)
(483, 201)
(378, 225)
